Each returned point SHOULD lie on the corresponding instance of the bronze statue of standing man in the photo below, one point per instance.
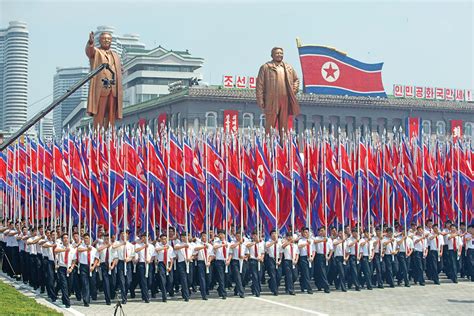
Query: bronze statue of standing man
(277, 85)
(105, 98)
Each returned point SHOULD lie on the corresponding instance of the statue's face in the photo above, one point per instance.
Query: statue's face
(105, 40)
(277, 55)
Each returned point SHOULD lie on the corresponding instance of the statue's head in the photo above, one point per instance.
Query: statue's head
(105, 40)
(277, 54)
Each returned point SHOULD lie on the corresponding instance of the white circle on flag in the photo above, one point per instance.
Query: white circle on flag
(260, 175)
(330, 71)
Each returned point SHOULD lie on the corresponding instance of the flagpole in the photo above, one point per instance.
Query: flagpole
(109, 180)
(308, 175)
(206, 189)
(367, 180)
(359, 184)
(383, 178)
(90, 179)
(277, 196)
(423, 178)
(125, 190)
(290, 150)
(459, 186)
(186, 224)
(147, 217)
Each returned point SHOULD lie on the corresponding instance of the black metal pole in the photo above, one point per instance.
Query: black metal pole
(55, 103)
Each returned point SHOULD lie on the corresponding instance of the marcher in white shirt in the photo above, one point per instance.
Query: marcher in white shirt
(65, 254)
(88, 262)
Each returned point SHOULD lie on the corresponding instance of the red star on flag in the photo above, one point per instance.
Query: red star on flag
(330, 71)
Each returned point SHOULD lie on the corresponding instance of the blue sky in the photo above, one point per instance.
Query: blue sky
(427, 43)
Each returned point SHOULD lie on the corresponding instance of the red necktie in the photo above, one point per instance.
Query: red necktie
(357, 248)
(454, 244)
(107, 255)
(324, 249)
(307, 249)
(223, 252)
(165, 256)
(275, 251)
(205, 252)
(239, 252)
(437, 245)
(291, 251)
(255, 250)
(66, 257)
(89, 258)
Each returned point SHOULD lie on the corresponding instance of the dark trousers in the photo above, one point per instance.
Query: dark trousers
(303, 266)
(63, 284)
(340, 274)
(255, 276)
(236, 276)
(113, 283)
(123, 280)
(379, 269)
(105, 281)
(388, 260)
(24, 266)
(33, 271)
(88, 283)
(453, 265)
(203, 279)
(470, 263)
(320, 271)
(142, 280)
(367, 271)
(418, 267)
(403, 268)
(220, 277)
(76, 283)
(40, 269)
(183, 279)
(50, 279)
(353, 272)
(432, 263)
(290, 275)
(162, 280)
(272, 270)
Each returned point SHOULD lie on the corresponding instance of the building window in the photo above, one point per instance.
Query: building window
(426, 127)
(247, 120)
(211, 120)
(441, 128)
(262, 120)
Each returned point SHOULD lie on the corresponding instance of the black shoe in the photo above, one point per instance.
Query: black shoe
(292, 293)
(67, 306)
(164, 300)
(124, 302)
(380, 286)
(407, 285)
(147, 301)
(344, 290)
(358, 289)
(392, 286)
(223, 297)
(369, 288)
(310, 292)
(86, 304)
(108, 303)
(275, 294)
(241, 296)
(422, 284)
(327, 291)
(204, 298)
(186, 299)
(437, 283)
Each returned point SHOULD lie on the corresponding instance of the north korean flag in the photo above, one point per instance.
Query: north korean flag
(265, 184)
(328, 71)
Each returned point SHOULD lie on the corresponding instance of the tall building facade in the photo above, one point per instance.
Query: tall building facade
(14, 42)
(147, 73)
(63, 80)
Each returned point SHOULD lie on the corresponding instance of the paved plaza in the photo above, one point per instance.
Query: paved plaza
(446, 299)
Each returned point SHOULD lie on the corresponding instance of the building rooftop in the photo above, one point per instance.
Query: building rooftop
(218, 93)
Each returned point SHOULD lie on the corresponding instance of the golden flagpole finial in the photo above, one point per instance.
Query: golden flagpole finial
(298, 42)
